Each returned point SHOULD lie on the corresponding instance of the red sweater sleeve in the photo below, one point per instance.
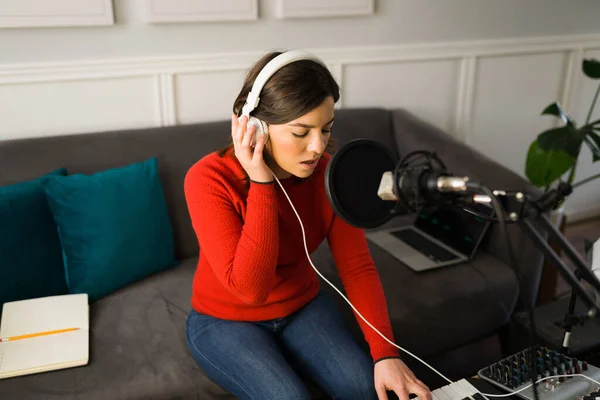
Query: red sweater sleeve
(362, 284)
(242, 252)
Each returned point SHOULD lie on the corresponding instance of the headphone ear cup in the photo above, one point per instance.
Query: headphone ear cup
(261, 127)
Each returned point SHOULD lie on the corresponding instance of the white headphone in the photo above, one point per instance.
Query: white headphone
(254, 96)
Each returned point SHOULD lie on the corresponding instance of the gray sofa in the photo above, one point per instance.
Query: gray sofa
(451, 317)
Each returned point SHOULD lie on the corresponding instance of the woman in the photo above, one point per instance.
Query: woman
(259, 323)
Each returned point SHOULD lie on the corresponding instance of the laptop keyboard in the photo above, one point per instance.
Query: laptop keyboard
(424, 245)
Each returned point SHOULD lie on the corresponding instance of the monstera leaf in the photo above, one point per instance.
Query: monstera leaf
(545, 166)
(591, 68)
(565, 138)
(557, 110)
(556, 151)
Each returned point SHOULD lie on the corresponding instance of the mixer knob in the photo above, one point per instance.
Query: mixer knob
(584, 365)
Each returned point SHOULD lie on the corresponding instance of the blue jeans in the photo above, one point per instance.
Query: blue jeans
(269, 359)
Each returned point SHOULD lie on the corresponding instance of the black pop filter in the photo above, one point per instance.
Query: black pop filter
(352, 179)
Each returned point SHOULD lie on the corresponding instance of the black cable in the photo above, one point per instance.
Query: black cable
(513, 260)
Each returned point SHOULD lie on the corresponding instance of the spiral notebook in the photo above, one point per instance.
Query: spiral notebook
(45, 352)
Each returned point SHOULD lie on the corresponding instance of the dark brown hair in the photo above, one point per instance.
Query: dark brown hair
(291, 92)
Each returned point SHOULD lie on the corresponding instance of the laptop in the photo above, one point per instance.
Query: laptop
(438, 237)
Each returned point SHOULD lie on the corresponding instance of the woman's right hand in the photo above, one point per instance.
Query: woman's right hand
(252, 161)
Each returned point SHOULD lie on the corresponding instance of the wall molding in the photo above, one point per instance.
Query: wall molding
(165, 69)
(18, 14)
(323, 8)
(171, 11)
(54, 71)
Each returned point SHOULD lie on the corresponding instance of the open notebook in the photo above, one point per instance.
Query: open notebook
(48, 352)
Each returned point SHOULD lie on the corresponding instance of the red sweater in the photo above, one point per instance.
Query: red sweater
(252, 263)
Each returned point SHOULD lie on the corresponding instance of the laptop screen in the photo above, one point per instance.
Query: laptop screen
(454, 227)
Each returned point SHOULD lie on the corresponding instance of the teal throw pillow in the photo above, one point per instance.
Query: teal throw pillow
(113, 226)
(31, 263)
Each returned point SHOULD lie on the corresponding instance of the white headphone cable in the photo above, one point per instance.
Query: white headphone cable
(344, 297)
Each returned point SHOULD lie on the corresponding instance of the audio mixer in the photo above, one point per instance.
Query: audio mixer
(513, 373)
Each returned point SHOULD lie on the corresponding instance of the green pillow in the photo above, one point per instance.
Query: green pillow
(113, 226)
(31, 263)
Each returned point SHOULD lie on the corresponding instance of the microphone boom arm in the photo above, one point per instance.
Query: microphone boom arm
(523, 210)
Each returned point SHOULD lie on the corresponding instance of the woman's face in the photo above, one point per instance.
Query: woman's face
(304, 139)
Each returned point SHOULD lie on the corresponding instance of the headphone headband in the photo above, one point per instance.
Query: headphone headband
(273, 66)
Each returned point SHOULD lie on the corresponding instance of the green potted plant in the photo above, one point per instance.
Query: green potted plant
(555, 152)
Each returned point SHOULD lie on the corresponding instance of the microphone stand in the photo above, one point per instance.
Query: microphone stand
(523, 210)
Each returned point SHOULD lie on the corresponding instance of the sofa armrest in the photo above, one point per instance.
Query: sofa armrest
(412, 133)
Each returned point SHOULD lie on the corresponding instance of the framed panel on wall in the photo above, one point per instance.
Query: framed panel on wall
(323, 8)
(158, 11)
(55, 13)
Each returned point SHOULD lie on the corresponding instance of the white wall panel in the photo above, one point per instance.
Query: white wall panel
(510, 93)
(200, 10)
(426, 88)
(53, 13)
(78, 106)
(323, 8)
(206, 96)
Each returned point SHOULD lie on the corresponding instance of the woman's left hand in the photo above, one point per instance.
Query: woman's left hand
(392, 374)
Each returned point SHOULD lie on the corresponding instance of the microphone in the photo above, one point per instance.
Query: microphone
(367, 186)
(425, 182)
(421, 178)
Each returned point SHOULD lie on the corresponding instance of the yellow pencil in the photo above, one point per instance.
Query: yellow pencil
(30, 335)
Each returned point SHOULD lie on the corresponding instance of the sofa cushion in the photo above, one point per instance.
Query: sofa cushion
(31, 262)
(113, 226)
